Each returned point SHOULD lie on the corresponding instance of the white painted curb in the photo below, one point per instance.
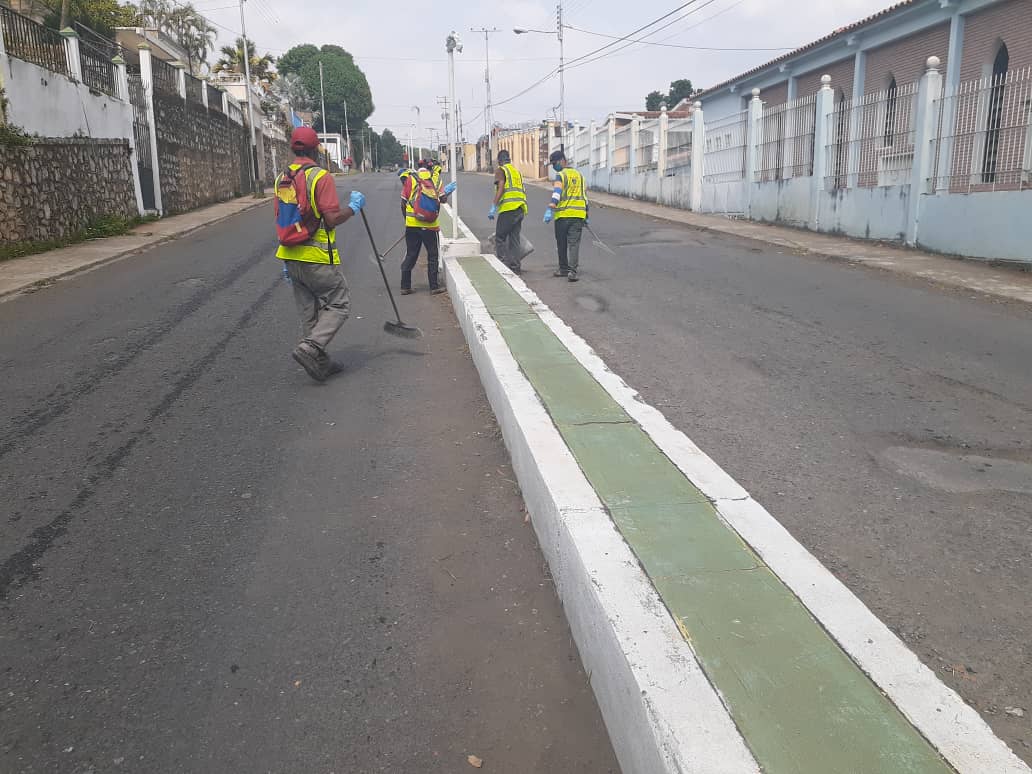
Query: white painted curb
(606, 593)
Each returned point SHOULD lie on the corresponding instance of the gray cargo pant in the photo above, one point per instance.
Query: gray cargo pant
(323, 300)
(567, 240)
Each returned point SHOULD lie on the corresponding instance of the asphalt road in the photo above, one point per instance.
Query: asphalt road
(887, 423)
(212, 564)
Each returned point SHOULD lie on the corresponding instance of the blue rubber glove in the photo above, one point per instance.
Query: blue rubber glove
(548, 215)
(450, 188)
(357, 202)
(492, 212)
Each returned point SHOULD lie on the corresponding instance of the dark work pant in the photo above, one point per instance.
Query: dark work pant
(415, 238)
(507, 237)
(567, 241)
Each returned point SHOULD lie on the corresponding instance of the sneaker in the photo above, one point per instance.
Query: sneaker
(407, 291)
(308, 357)
(437, 291)
(572, 276)
(561, 273)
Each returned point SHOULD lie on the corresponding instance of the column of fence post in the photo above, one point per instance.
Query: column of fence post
(71, 41)
(147, 79)
(634, 150)
(698, 157)
(610, 142)
(122, 92)
(821, 129)
(662, 134)
(753, 140)
(925, 131)
(949, 116)
(856, 119)
(180, 78)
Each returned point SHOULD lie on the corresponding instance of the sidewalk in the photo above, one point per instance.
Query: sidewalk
(716, 641)
(34, 271)
(1007, 283)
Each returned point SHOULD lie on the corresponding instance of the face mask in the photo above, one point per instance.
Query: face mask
(557, 167)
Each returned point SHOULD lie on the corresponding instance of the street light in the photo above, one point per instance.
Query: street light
(562, 70)
(453, 44)
(419, 128)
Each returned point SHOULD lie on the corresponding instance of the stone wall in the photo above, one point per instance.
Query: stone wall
(277, 156)
(202, 154)
(56, 187)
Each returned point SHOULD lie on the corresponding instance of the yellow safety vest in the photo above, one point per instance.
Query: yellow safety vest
(435, 175)
(514, 197)
(315, 249)
(574, 200)
(411, 221)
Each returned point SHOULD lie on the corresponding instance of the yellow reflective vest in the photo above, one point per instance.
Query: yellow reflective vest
(514, 196)
(411, 221)
(573, 203)
(318, 248)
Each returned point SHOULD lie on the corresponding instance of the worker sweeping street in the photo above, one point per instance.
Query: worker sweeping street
(421, 202)
(569, 208)
(307, 213)
(510, 206)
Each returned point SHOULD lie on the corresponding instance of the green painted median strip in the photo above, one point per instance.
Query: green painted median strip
(800, 702)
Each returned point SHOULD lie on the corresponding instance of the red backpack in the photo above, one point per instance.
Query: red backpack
(294, 214)
(425, 200)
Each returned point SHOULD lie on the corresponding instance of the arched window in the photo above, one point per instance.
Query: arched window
(890, 112)
(994, 115)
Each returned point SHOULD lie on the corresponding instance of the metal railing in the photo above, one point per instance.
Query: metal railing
(98, 72)
(622, 149)
(647, 156)
(166, 77)
(726, 139)
(582, 147)
(785, 134)
(984, 141)
(195, 89)
(871, 139)
(32, 42)
(214, 98)
(600, 148)
(679, 140)
(235, 112)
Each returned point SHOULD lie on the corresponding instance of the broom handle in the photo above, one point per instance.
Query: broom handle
(379, 262)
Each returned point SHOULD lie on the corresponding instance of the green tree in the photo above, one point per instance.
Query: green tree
(99, 15)
(344, 82)
(389, 150)
(193, 32)
(232, 60)
(679, 89)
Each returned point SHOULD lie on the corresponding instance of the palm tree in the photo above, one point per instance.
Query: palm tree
(194, 33)
(232, 60)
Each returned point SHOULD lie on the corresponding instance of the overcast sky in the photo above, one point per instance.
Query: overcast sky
(403, 55)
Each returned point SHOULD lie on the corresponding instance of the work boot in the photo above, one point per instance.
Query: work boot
(436, 291)
(330, 367)
(572, 276)
(514, 268)
(308, 357)
(561, 273)
(407, 291)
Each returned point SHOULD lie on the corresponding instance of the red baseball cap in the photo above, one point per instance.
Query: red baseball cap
(304, 138)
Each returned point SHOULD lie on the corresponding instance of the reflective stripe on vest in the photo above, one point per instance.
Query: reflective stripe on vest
(574, 202)
(514, 196)
(411, 221)
(315, 249)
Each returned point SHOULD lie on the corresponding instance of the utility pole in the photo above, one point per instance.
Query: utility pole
(322, 102)
(453, 44)
(250, 107)
(562, 80)
(488, 117)
(347, 134)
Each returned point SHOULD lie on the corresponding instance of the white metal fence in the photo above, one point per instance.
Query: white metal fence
(984, 141)
(600, 149)
(582, 147)
(726, 141)
(679, 145)
(871, 139)
(647, 155)
(622, 149)
(785, 140)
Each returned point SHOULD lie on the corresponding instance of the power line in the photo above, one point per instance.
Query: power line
(680, 45)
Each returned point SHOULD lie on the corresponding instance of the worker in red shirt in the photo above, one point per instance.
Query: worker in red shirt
(320, 289)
